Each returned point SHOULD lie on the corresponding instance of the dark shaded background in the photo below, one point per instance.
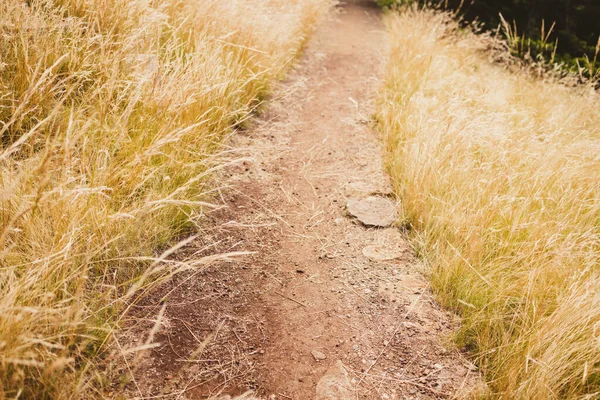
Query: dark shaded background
(577, 21)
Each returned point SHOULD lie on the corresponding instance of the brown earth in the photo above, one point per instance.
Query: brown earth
(320, 286)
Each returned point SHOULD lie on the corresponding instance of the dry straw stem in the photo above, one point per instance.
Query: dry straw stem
(498, 174)
(110, 114)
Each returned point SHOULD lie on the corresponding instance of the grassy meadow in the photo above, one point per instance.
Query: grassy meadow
(111, 113)
(499, 177)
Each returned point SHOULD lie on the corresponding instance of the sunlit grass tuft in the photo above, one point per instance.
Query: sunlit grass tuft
(498, 173)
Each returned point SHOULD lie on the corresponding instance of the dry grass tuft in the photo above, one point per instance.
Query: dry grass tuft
(498, 174)
(109, 114)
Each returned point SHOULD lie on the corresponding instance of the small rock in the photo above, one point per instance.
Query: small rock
(411, 325)
(318, 355)
(373, 211)
(382, 253)
(335, 384)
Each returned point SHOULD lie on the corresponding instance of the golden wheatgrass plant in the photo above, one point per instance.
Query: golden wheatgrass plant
(499, 175)
(110, 114)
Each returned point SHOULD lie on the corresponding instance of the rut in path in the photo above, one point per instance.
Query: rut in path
(314, 293)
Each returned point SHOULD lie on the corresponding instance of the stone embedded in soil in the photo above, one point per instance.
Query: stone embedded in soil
(373, 211)
(382, 253)
(335, 384)
(318, 355)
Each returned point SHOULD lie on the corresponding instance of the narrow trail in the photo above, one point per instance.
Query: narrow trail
(309, 297)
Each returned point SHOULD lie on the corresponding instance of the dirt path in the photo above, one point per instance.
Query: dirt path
(313, 293)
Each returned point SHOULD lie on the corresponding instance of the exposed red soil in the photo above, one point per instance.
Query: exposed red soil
(308, 285)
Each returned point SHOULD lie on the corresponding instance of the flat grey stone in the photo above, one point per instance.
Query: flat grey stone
(335, 384)
(382, 253)
(318, 355)
(373, 211)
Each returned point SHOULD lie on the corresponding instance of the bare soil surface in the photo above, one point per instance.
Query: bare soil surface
(320, 287)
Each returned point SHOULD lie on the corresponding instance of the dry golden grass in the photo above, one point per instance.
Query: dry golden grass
(110, 111)
(499, 175)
